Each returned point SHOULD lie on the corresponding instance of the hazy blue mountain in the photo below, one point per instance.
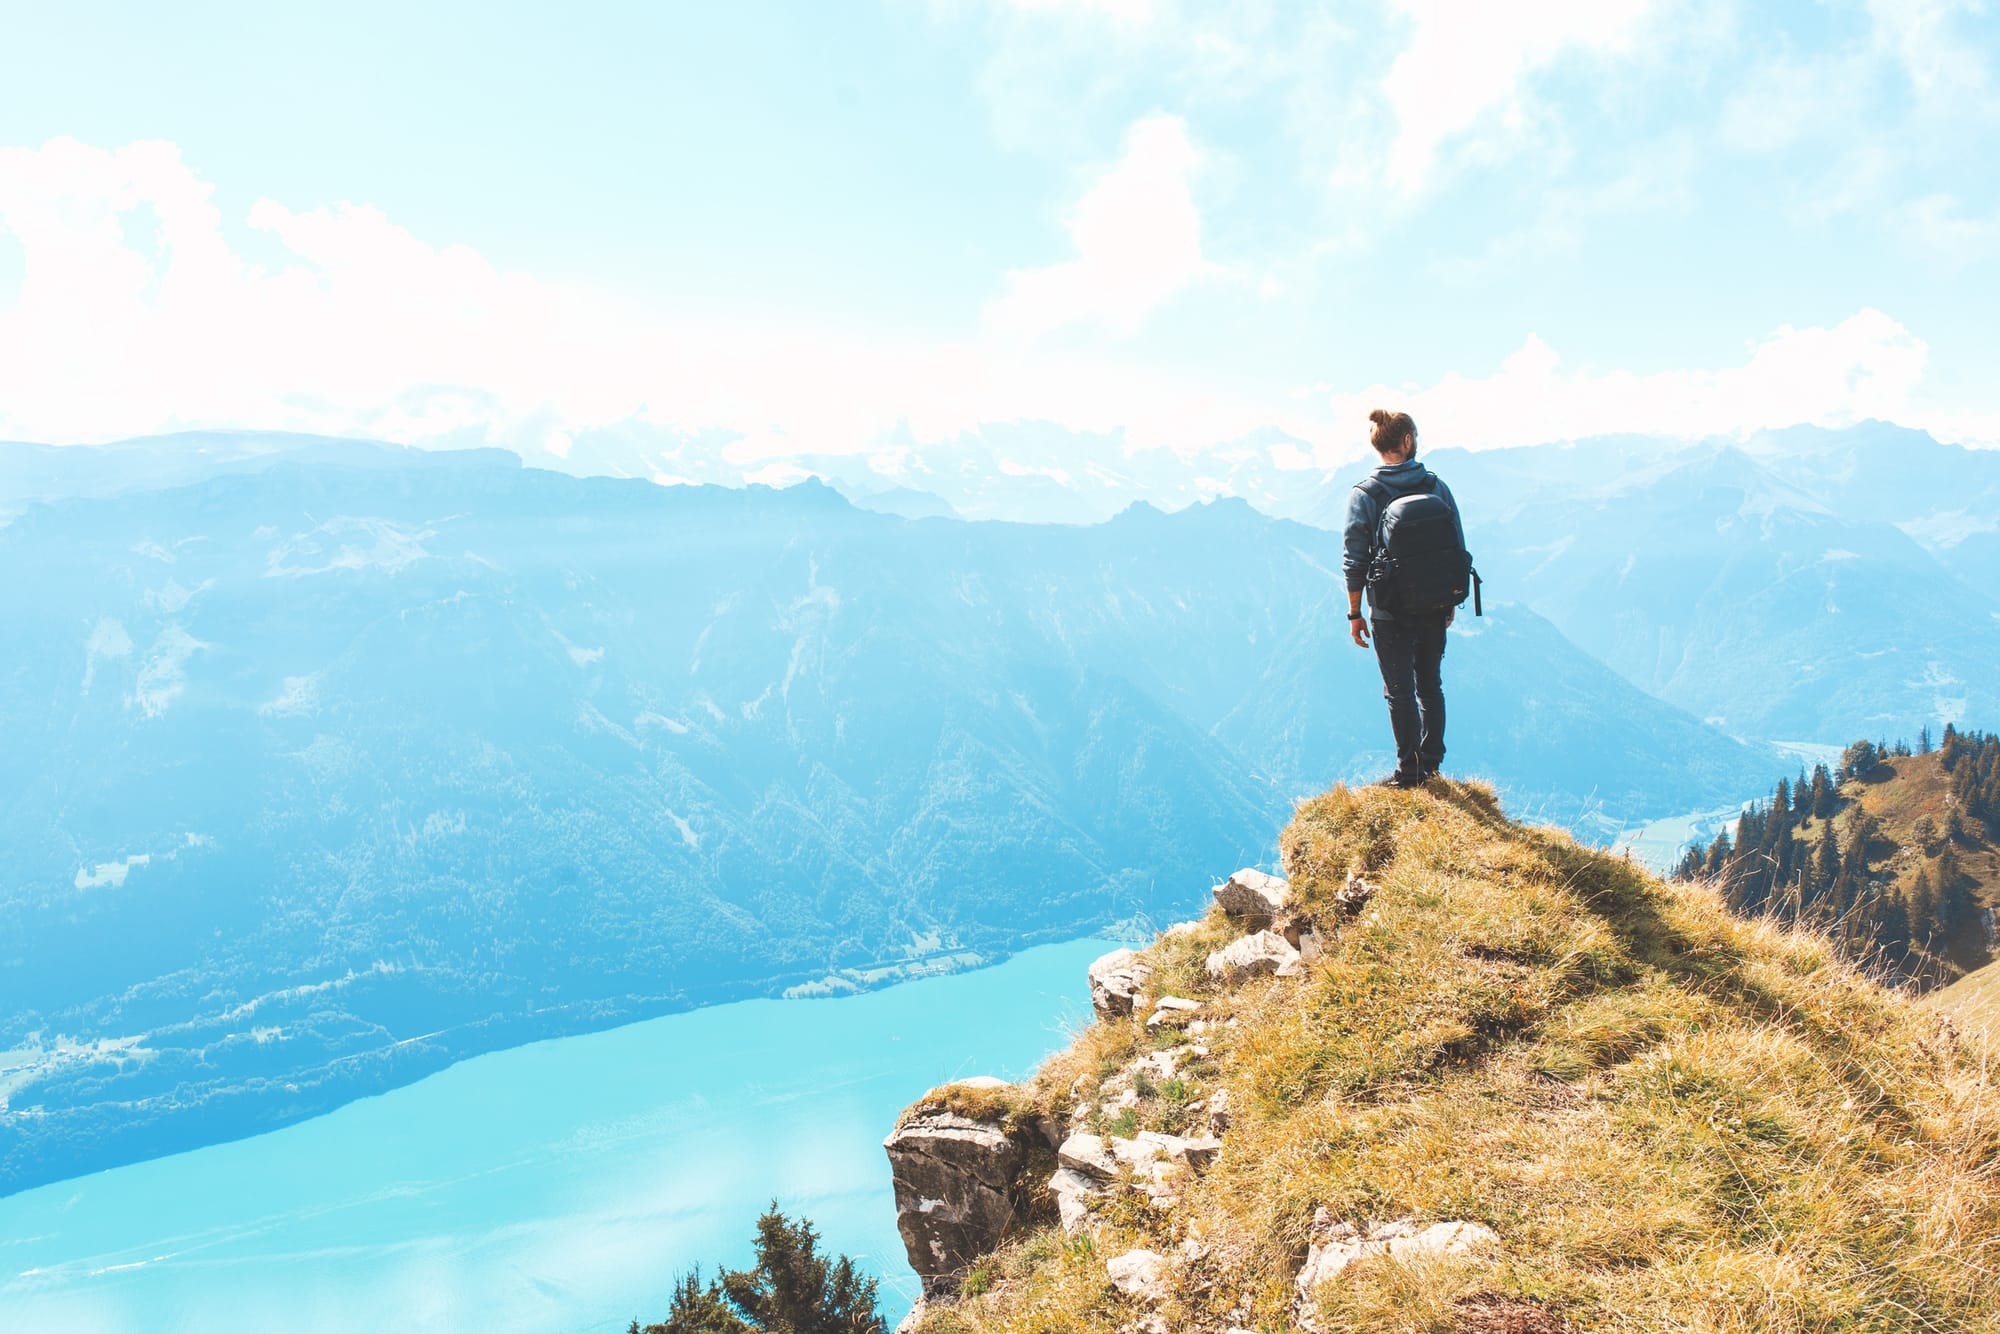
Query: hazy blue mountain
(32, 472)
(1729, 588)
(903, 501)
(1793, 588)
(1944, 496)
(320, 776)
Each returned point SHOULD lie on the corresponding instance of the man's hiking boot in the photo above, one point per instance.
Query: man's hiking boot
(1399, 780)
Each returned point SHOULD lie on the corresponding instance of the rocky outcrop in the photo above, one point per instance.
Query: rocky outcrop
(1336, 1245)
(1115, 983)
(955, 1192)
(957, 1175)
(1253, 897)
(1139, 1274)
(1264, 953)
(1091, 1167)
(1171, 1010)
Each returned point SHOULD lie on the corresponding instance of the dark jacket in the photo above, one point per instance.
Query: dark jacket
(1364, 518)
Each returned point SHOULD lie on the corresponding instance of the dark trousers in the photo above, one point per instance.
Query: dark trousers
(1410, 650)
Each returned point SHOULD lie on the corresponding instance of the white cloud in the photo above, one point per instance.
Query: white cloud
(1866, 366)
(1907, 98)
(364, 329)
(1137, 235)
(1468, 59)
(1948, 233)
(1941, 62)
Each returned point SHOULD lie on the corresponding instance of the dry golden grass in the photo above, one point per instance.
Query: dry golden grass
(1973, 1002)
(1674, 1119)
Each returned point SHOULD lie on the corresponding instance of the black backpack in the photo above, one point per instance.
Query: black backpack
(1419, 563)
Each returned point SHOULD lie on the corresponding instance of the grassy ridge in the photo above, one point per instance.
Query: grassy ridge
(1974, 1001)
(1675, 1119)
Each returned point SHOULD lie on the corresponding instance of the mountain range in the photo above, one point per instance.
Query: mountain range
(329, 768)
(1809, 584)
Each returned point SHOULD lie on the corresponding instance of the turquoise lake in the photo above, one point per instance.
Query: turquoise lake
(557, 1186)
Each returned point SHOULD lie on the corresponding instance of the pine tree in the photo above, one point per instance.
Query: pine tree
(1823, 797)
(1958, 910)
(1892, 929)
(1924, 830)
(791, 1289)
(1825, 862)
(1718, 855)
(794, 1289)
(1924, 923)
(1859, 760)
(1924, 739)
(697, 1308)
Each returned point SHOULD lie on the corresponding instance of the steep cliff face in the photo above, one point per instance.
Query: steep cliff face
(1458, 1074)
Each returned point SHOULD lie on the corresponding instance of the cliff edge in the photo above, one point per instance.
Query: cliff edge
(1455, 1074)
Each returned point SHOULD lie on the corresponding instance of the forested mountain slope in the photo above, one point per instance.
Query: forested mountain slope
(1894, 853)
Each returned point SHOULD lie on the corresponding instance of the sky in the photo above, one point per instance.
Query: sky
(763, 230)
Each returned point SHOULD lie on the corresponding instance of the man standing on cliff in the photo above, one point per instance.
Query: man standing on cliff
(1406, 546)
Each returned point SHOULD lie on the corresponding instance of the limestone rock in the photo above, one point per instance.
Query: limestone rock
(1218, 1113)
(1253, 896)
(1076, 1195)
(1171, 1009)
(1337, 1245)
(916, 1316)
(1263, 953)
(955, 1193)
(1115, 982)
(1148, 1156)
(1089, 1155)
(1140, 1274)
(1193, 1152)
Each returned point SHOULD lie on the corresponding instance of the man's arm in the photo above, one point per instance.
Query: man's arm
(1356, 543)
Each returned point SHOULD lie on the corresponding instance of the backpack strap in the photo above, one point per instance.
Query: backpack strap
(1378, 491)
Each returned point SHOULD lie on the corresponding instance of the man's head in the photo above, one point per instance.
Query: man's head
(1394, 436)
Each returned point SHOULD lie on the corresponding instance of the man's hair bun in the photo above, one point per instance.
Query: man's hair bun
(1390, 429)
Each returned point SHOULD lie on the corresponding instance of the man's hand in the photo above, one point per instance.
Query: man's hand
(1450, 615)
(1358, 627)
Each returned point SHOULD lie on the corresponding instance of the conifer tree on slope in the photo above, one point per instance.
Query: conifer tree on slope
(791, 1289)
